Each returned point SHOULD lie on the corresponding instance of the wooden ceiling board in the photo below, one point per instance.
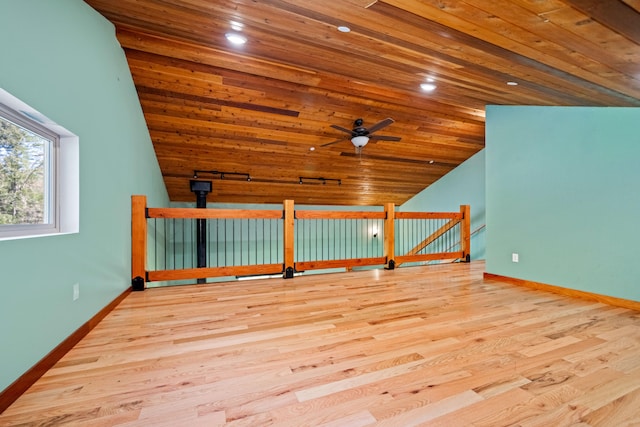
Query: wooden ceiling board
(635, 4)
(266, 108)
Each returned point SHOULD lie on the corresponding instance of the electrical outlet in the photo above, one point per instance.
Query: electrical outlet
(76, 291)
(515, 257)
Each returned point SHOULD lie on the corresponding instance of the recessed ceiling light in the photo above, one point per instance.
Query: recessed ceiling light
(512, 83)
(236, 26)
(430, 162)
(236, 38)
(312, 148)
(428, 87)
(344, 29)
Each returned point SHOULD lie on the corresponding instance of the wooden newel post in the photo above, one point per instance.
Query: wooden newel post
(465, 232)
(288, 238)
(138, 242)
(389, 235)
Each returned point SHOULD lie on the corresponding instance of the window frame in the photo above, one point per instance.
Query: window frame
(63, 179)
(51, 212)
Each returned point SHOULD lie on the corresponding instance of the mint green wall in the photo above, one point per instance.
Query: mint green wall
(462, 186)
(561, 192)
(63, 59)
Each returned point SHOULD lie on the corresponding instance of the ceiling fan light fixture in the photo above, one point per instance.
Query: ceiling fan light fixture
(360, 141)
(236, 26)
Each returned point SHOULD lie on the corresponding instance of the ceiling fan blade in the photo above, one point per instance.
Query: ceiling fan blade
(333, 142)
(340, 128)
(384, 137)
(381, 124)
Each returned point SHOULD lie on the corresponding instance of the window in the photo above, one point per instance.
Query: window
(27, 172)
(38, 173)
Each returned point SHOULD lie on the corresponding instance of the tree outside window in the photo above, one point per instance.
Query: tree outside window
(24, 157)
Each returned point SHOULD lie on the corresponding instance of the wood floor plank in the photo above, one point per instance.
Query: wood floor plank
(621, 411)
(435, 345)
(485, 408)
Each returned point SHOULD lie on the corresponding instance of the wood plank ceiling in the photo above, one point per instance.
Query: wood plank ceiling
(266, 108)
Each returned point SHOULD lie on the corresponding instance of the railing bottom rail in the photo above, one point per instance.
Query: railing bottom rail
(191, 273)
(429, 257)
(339, 263)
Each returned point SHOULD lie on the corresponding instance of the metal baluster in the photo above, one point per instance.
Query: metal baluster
(155, 239)
(208, 245)
(218, 241)
(173, 238)
(370, 239)
(358, 238)
(166, 249)
(309, 252)
(336, 239)
(319, 251)
(325, 238)
(224, 243)
(297, 240)
(352, 237)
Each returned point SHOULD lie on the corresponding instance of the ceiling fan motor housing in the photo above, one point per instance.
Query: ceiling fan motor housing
(359, 129)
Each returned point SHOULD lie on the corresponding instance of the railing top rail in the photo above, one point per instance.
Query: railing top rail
(340, 215)
(299, 214)
(213, 213)
(428, 215)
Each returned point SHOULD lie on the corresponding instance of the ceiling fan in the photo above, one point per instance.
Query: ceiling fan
(361, 135)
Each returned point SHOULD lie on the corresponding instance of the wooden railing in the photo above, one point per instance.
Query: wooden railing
(358, 254)
(267, 242)
(448, 223)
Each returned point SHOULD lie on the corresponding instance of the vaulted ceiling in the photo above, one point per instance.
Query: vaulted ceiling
(266, 108)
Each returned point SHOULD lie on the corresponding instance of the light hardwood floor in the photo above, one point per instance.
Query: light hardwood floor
(433, 345)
